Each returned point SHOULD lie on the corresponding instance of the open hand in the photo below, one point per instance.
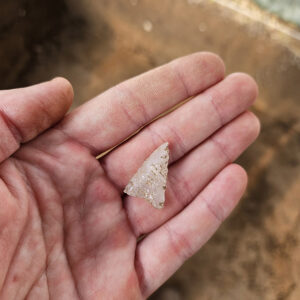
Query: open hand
(65, 230)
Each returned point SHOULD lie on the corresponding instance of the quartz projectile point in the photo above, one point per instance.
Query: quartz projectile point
(149, 182)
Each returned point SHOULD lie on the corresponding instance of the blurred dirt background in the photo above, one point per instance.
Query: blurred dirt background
(98, 43)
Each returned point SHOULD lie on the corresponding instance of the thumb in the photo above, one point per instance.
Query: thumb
(26, 112)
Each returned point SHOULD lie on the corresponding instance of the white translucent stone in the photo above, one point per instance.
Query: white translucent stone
(149, 182)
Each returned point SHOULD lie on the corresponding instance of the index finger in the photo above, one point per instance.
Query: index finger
(111, 117)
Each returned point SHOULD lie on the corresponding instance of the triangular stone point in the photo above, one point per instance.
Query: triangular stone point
(149, 182)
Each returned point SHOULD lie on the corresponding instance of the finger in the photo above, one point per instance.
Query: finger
(26, 112)
(114, 115)
(162, 252)
(191, 174)
(184, 128)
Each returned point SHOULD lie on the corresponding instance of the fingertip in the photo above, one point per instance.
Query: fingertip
(246, 84)
(232, 183)
(216, 61)
(211, 62)
(200, 71)
(239, 175)
(239, 181)
(65, 88)
(254, 125)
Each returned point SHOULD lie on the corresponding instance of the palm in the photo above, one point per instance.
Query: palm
(67, 231)
(70, 211)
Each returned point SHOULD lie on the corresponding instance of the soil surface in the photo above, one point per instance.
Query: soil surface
(98, 43)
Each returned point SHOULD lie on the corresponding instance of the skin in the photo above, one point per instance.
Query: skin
(66, 229)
